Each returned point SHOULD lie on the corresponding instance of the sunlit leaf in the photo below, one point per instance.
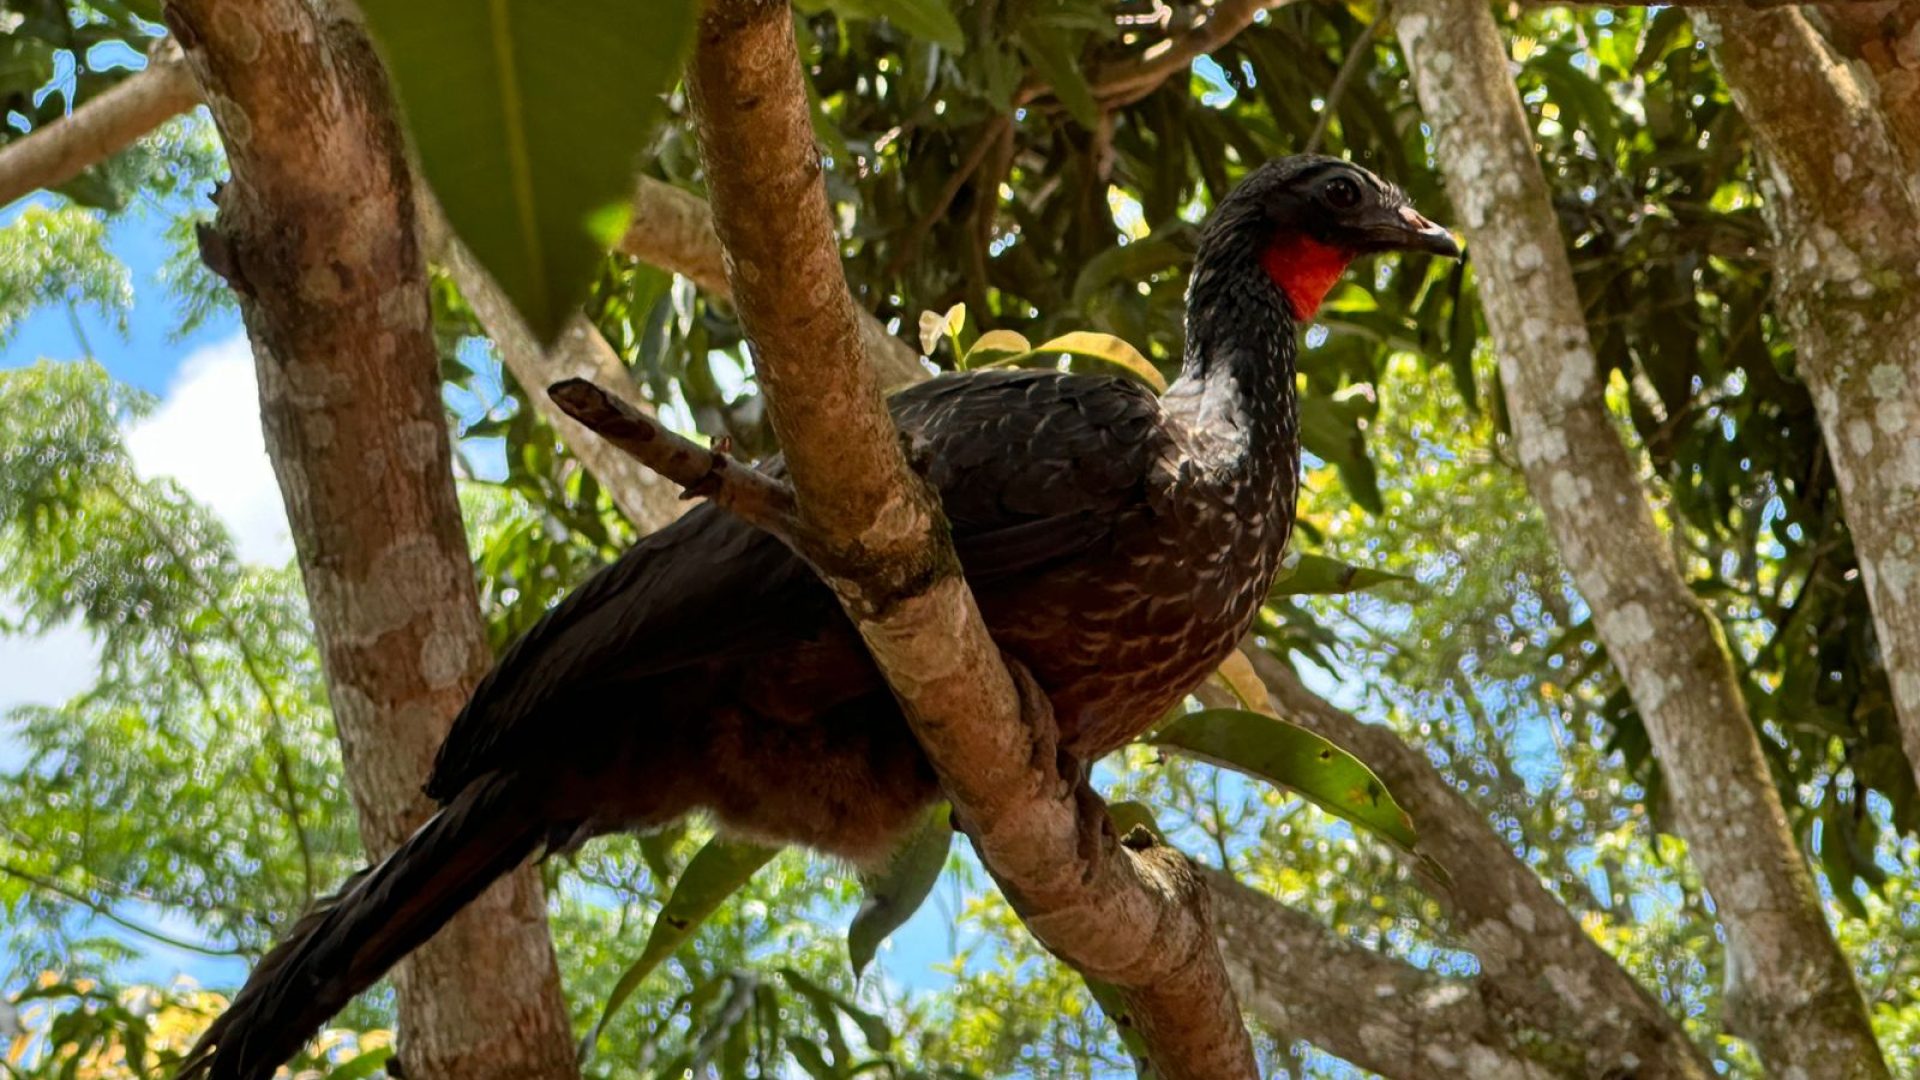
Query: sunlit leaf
(716, 872)
(897, 890)
(1294, 758)
(1303, 574)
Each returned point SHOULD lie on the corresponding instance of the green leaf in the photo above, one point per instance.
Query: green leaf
(1111, 1003)
(715, 872)
(897, 891)
(1055, 57)
(529, 118)
(872, 1028)
(361, 1066)
(1128, 815)
(1294, 758)
(1330, 431)
(1318, 575)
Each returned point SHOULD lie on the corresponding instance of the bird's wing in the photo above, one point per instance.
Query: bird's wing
(1032, 467)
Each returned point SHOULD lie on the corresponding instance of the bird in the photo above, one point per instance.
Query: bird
(1119, 545)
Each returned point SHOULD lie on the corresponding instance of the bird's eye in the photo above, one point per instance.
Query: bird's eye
(1343, 194)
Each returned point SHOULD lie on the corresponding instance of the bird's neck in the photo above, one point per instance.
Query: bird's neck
(1235, 392)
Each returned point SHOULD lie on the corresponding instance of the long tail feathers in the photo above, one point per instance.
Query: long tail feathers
(348, 941)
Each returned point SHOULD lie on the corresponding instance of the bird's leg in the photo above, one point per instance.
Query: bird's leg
(1071, 775)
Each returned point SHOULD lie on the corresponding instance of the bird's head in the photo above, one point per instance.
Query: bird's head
(1305, 218)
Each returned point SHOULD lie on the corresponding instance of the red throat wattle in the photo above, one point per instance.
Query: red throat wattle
(1304, 269)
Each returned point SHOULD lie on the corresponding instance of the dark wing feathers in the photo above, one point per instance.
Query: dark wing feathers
(1033, 467)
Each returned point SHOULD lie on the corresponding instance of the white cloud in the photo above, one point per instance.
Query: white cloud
(45, 670)
(206, 435)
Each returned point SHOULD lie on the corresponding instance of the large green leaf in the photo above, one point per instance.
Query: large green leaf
(716, 872)
(1319, 575)
(896, 891)
(530, 118)
(1295, 758)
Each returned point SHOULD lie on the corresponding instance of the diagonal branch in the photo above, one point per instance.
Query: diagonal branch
(1546, 971)
(1137, 920)
(104, 126)
(1127, 82)
(1384, 1015)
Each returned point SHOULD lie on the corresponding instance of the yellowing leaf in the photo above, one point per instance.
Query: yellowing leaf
(995, 346)
(1237, 672)
(1104, 349)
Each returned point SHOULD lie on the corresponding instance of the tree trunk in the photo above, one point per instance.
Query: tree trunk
(1847, 229)
(1789, 988)
(317, 235)
(1884, 39)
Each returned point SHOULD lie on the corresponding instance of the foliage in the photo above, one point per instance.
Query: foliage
(984, 168)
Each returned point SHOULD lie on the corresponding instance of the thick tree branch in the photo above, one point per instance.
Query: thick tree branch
(104, 126)
(1790, 989)
(317, 236)
(1552, 979)
(1846, 221)
(1300, 979)
(1135, 920)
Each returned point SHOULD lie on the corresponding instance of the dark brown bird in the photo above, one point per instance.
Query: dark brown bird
(1119, 544)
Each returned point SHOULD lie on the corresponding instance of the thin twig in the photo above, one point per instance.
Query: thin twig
(106, 912)
(1362, 47)
(759, 498)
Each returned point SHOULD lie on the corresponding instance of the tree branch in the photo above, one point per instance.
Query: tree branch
(104, 126)
(580, 353)
(1135, 920)
(1549, 972)
(1383, 1015)
(317, 234)
(1790, 989)
(757, 497)
(107, 912)
(1127, 82)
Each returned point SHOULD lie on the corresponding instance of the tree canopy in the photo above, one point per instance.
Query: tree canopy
(1001, 175)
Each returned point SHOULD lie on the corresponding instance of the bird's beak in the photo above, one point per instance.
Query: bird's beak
(1405, 229)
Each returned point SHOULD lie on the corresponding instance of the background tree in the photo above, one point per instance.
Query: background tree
(1044, 165)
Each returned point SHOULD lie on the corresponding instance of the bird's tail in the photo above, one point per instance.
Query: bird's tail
(352, 938)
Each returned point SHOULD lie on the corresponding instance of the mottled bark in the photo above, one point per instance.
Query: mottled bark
(1882, 40)
(1135, 919)
(1544, 974)
(104, 126)
(1846, 226)
(1789, 988)
(316, 234)
(1389, 1017)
